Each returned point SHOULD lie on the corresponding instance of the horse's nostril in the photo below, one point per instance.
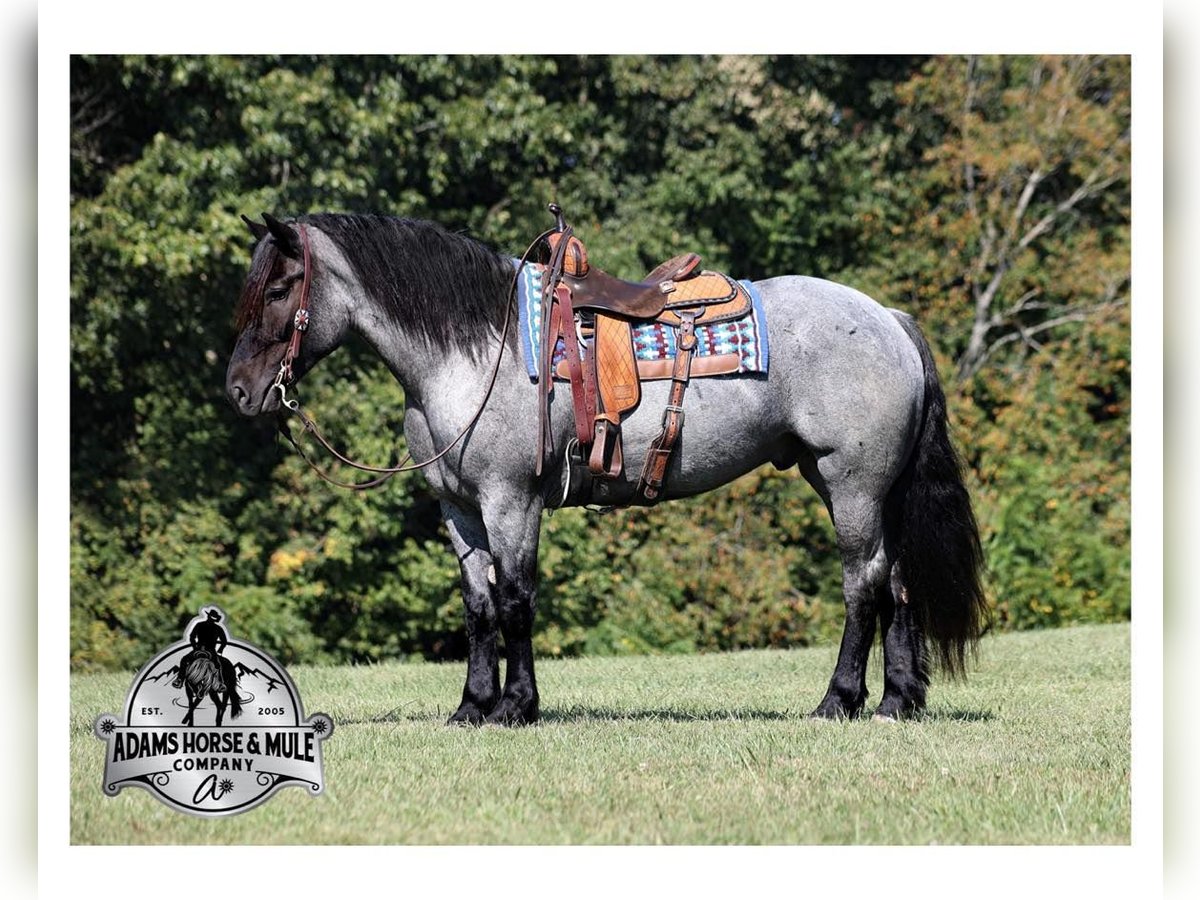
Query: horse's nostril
(239, 396)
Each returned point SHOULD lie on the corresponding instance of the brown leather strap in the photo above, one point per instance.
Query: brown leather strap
(287, 373)
(545, 385)
(552, 275)
(583, 390)
(311, 428)
(659, 454)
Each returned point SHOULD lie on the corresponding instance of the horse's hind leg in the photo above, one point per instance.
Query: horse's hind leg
(482, 690)
(905, 661)
(219, 702)
(858, 520)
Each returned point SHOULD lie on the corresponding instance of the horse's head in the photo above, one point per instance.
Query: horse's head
(288, 316)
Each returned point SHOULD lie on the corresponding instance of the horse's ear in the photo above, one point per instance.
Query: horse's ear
(258, 229)
(285, 238)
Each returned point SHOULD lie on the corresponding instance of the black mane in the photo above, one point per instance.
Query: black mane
(430, 281)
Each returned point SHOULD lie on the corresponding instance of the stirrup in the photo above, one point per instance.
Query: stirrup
(606, 460)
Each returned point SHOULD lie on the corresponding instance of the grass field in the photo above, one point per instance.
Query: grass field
(1033, 749)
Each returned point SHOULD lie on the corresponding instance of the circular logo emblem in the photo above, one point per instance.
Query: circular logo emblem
(213, 726)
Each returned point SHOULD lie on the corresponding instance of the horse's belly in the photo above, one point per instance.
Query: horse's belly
(729, 429)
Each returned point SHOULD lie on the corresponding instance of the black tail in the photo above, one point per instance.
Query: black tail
(939, 551)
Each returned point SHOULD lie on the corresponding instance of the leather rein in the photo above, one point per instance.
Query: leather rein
(286, 376)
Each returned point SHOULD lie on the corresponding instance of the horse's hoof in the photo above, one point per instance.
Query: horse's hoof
(467, 714)
(896, 708)
(880, 717)
(833, 710)
(820, 715)
(509, 714)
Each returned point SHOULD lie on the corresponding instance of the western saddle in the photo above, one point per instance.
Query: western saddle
(579, 300)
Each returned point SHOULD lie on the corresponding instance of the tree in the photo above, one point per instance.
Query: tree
(1027, 189)
(1011, 244)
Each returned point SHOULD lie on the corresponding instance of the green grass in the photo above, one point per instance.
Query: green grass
(1033, 749)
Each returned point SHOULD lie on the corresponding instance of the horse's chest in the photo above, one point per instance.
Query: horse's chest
(419, 438)
(445, 478)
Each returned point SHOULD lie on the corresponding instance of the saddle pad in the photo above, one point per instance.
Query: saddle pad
(652, 341)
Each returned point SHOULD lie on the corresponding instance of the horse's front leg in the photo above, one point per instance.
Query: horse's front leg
(191, 710)
(512, 526)
(219, 702)
(482, 690)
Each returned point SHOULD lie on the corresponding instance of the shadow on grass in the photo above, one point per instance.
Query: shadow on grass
(573, 714)
(589, 713)
(584, 713)
(957, 715)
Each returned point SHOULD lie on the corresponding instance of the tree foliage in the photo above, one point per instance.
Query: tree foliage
(987, 196)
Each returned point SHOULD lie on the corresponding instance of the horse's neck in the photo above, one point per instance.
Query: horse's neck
(426, 373)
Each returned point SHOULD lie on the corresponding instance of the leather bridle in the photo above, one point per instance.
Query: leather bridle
(286, 376)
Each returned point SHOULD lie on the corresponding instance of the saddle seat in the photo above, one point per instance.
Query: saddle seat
(677, 283)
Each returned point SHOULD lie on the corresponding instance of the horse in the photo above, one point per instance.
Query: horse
(203, 672)
(852, 399)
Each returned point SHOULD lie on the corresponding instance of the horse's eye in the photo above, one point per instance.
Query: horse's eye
(277, 294)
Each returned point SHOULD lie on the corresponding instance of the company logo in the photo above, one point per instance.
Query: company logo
(213, 727)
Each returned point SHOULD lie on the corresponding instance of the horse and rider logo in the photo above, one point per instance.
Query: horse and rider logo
(213, 726)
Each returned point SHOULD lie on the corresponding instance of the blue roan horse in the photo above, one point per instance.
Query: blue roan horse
(852, 398)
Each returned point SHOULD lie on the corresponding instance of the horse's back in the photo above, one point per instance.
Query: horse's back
(832, 319)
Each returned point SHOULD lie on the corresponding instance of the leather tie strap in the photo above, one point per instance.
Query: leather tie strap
(582, 389)
(654, 472)
(550, 306)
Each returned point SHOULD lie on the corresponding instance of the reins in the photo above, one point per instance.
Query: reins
(286, 376)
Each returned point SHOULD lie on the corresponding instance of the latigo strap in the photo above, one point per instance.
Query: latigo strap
(659, 456)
